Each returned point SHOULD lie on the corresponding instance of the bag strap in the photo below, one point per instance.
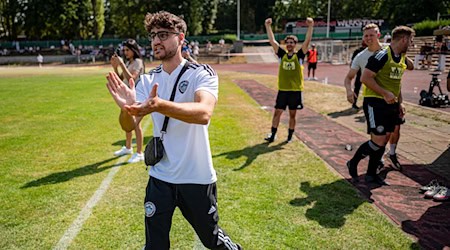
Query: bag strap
(172, 97)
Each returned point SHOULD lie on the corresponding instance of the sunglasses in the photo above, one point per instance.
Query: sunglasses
(162, 35)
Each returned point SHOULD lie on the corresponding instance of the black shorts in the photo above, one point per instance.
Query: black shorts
(312, 65)
(291, 99)
(381, 117)
(197, 203)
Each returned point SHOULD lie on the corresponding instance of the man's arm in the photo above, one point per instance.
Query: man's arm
(348, 85)
(275, 45)
(197, 112)
(308, 36)
(368, 78)
(409, 63)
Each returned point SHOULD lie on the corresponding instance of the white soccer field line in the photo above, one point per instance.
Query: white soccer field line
(73, 230)
(76, 226)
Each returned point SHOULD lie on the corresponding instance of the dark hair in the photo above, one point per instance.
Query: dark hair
(132, 45)
(402, 31)
(166, 20)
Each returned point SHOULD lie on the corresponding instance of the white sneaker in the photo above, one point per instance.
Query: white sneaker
(136, 157)
(123, 151)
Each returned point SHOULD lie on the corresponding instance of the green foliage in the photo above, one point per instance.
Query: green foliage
(426, 28)
(209, 16)
(87, 19)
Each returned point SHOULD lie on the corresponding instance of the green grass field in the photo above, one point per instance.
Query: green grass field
(59, 127)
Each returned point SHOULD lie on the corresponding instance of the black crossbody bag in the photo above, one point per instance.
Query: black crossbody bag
(154, 151)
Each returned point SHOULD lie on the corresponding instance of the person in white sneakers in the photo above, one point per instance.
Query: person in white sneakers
(132, 69)
(185, 176)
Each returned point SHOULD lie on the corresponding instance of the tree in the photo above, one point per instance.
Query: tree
(209, 16)
(98, 9)
(11, 18)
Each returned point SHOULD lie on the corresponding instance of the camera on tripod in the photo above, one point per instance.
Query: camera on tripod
(432, 99)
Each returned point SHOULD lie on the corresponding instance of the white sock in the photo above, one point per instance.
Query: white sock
(392, 149)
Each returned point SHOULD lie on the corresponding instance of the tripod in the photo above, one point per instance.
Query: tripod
(430, 98)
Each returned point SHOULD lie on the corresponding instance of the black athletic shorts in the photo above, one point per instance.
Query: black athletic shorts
(291, 99)
(312, 65)
(381, 117)
(197, 203)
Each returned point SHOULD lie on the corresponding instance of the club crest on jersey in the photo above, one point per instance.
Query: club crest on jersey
(183, 86)
(150, 209)
(380, 129)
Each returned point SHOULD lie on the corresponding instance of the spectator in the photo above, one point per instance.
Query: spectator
(311, 56)
(221, 42)
(196, 50)
(132, 69)
(441, 49)
(208, 46)
(40, 60)
(186, 52)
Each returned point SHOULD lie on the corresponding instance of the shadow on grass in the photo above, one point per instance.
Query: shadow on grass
(251, 152)
(122, 142)
(332, 202)
(429, 229)
(68, 175)
(345, 112)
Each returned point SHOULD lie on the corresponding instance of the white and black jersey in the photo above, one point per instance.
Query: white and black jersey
(187, 156)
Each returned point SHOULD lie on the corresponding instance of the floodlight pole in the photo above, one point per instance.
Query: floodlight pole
(238, 35)
(328, 19)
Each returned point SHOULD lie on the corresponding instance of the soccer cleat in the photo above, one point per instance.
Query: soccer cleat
(433, 191)
(123, 151)
(353, 171)
(270, 138)
(355, 107)
(375, 179)
(395, 164)
(430, 185)
(442, 195)
(136, 157)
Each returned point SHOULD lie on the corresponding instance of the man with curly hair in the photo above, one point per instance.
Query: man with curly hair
(185, 176)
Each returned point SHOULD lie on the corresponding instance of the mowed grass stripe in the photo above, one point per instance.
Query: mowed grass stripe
(270, 197)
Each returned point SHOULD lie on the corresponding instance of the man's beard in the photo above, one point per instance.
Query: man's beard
(167, 55)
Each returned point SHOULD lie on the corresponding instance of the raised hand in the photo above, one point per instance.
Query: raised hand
(120, 92)
(268, 21)
(309, 21)
(114, 61)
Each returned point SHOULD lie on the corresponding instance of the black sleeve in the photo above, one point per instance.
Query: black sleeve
(300, 54)
(356, 52)
(280, 52)
(377, 61)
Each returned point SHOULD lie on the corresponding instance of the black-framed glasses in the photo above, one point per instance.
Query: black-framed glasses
(162, 35)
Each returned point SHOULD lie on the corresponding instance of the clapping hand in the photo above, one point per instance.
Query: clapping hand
(148, 106)
(121, 93)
